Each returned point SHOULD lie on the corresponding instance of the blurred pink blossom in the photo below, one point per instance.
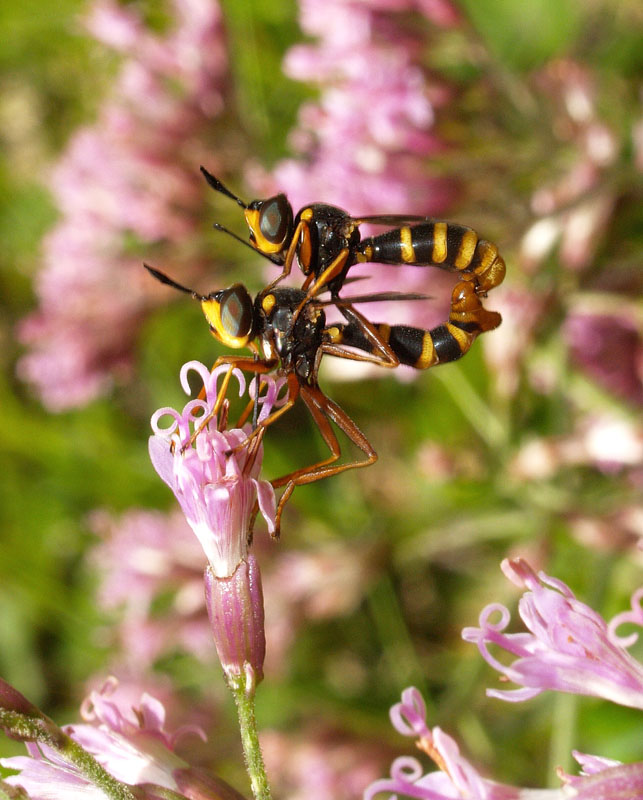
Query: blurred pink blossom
(143, 556)
(576, 210)
(366, 144)
(305, 586)
(130, 176)
(609, 348)
(620, 530)
(320, 762)
(608, 442)
(521, 310)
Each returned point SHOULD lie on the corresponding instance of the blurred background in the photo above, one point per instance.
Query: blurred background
(521, 120)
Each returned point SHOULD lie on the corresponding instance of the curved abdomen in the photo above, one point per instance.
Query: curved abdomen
(446, 245)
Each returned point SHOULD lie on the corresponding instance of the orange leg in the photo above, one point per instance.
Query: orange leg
(331, 271)
(290, 257)
(322, 409)
(381, 354)
(247, 363)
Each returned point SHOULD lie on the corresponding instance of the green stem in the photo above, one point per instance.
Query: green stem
(32, 728)
(243, 690)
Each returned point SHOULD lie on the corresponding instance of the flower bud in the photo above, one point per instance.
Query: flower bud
(235, 608)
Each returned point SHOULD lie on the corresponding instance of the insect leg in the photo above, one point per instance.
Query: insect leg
(289, 257)
(422, 348)
(247, 363)
(334, 269)
(322, 409)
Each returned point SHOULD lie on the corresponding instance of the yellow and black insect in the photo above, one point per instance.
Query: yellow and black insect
(327, 242)
(287, 332)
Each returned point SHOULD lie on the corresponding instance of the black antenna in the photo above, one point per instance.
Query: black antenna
(216, 184)
(163, 278)
(273, 259)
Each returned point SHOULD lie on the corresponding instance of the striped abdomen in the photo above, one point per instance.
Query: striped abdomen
(422, 348)
(440, 244)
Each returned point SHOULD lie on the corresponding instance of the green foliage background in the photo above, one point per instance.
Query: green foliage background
(440, 543)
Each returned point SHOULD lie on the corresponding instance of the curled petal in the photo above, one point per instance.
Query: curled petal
(409, 716)
(158, 415)
(405, 772)
(635, 616)
(271, 399)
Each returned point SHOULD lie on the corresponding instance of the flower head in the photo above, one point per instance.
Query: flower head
(130, 743)
(213, 475)
(458, 778)
(569, 647)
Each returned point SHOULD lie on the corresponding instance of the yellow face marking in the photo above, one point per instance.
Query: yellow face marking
(427, 356)
(268, 303)
(467, 249)
(306, 214)
(334, 335)
(212, 312)
(406, 245)
(439, 242)
(260, 242)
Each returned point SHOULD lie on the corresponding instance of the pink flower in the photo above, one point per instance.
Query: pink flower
(132, 177)
(213, 476)
(569, 647)
(126, 740)
(145, 556)
(603, 778)
(131, 743)
(458, 778)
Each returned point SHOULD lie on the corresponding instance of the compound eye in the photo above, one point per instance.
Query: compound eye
(275, 219)
(236, 311)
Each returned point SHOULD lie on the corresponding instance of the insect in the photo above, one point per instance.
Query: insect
(327, 242)
(287, 332)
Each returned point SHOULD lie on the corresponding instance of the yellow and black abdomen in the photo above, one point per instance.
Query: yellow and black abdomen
(439, 244)
(422, 348)
(415, 347)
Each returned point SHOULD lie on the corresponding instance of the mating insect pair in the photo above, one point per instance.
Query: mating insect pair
(286, 328)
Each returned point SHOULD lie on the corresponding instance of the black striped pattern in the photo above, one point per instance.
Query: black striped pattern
(414, 347)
